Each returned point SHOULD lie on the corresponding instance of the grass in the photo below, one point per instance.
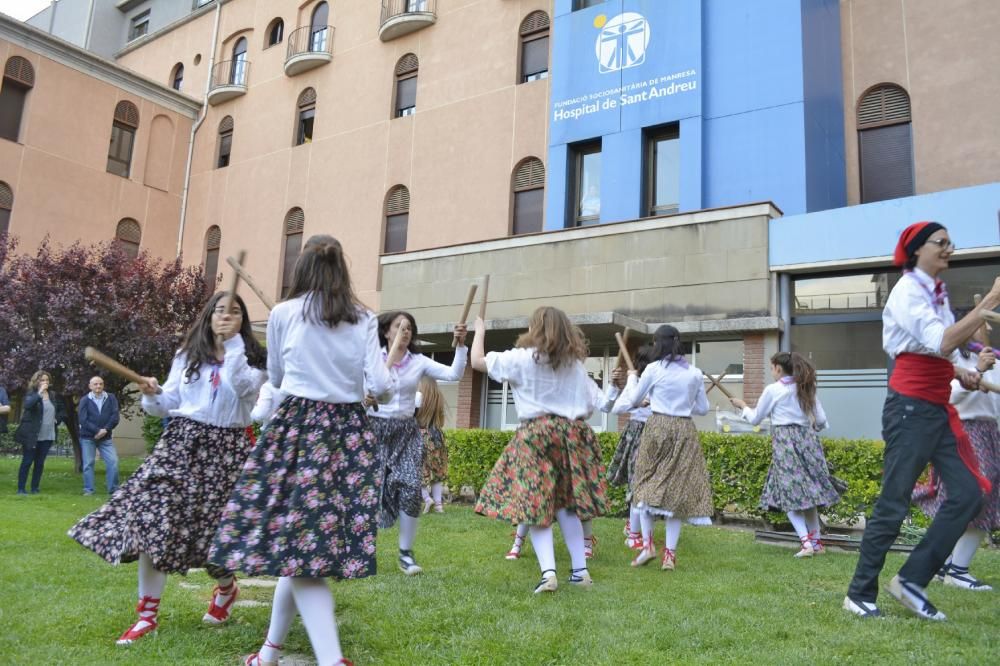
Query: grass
(731, 600)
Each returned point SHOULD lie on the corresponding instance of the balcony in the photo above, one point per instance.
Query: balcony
(308, 48)
(229, 81)
(401, 17)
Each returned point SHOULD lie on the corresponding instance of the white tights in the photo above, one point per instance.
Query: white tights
(572, 529)
(407, 531)
(673, 530)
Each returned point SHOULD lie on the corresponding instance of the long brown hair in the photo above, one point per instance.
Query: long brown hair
(385, 323)
(551, 333)
(199, 343)
(321, 275)
(431, 410)
(37, 378)
(798, 367)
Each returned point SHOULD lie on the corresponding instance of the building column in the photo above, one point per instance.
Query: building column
(470, 400)
(753, 366)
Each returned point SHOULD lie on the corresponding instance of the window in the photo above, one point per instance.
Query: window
(177, 76)
(885, 147)
(583, 4)
(416, 6)
(238, 73)
(586, 191)
(123, 139)
(6, 205)
(275, 32)
(529, 196)
(318, 27)
(406, 86)
(138, 26)
(663, 170)
(213, 241)
(294, 225)
(534, 47)
(18, 79)
(306, 117)
(128, 235)
(397, 218)
(225, 142)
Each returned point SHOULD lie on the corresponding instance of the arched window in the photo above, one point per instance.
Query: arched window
(177, 76)
(123, 138)
(275, 32)
(128, 236)
(225, 142)
(6, 205)
(238, 72)
(18, 79)
(295, 222)
(213, 241)
(529, 196)
(534, 47)
(406, 86)
(885, 144)
(319, 27)
(397, 218)
(305, 117)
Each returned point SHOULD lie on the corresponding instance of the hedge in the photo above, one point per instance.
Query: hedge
(737, 465)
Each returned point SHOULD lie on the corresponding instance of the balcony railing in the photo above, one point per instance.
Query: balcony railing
(229, 80)
(308, 47)
(401, 17)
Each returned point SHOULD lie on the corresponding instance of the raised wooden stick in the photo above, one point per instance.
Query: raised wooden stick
(623, 352)
(110, 364)
(486, 291)
(621, 355)
(268, 303)
(228, 300)
(465, 310)
(718, 383)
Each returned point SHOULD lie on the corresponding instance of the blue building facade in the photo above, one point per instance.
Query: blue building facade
(747, 95)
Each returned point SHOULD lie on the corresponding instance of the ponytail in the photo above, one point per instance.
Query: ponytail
(321, 275)
(798, 367)
(666, 344)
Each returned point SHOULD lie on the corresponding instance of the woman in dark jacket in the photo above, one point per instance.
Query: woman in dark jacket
(41, 414)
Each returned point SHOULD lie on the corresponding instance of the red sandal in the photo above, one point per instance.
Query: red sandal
(255, 660)
(218, 614)
(149, 606)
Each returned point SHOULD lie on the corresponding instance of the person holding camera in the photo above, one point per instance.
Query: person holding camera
(41, 413)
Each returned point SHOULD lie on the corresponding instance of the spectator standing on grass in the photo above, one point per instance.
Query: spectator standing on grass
(41, 414)
(4, 410)
(98, 416)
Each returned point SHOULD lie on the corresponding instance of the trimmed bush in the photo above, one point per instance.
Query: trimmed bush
(737, 465)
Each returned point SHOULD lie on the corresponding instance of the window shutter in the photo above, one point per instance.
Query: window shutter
(226, 125)
(294, 221)
(398, 201)
(884, 105)
(213, 238)
(530, 175)
(886, 162)
(20, 70)
(127, 113)
(307, 97)
(6, 196)
(129, 231)
(534, 22)
(407, 65)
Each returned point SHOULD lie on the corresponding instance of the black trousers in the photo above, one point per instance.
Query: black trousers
(916, 432)
(32, 455)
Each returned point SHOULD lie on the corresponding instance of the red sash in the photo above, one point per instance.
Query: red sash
(929, 378)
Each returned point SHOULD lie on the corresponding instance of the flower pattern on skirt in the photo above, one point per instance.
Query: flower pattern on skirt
(551, 463)
(435, 456)
(985, 436)
(621, 471)
(171, 506)
(307, 501)
(798, 477)
(671, 477)
(401, 461)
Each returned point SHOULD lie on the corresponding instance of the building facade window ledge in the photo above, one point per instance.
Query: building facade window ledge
(401, 17)
(308, 47)
(229, 81)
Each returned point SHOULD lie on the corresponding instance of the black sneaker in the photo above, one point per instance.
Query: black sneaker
(407, 564)
(913, 598)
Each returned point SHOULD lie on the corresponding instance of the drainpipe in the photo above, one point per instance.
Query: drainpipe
(197, 124)
(785, 311)
(52, 17)
(90, 25)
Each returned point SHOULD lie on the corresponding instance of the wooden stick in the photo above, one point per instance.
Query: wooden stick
(486, 291)
(718, 383)
(621, 356)
(110, 364)
(623, 351)
(465, 310)
(234, 282)
(268, 303)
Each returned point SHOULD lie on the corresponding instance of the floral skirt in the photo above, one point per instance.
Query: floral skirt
(985, 436)
(551, 463)
(671, 478)
(435, 456)
(401, 463)
(621, 471)
(171, 506)
(307, 500)
(798, 477)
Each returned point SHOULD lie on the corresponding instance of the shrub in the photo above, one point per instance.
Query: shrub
(152, 428)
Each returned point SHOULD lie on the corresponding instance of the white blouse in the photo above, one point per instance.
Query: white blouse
(317, 362)
(677, 389)
(222, 395)
(973, 405)
(539, 390)
(780, 401)
(409, 371)
(912, 320)
(268, 401)
(615, 406)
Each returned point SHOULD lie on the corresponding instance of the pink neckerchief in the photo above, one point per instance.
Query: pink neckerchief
(215, 378)
(405, 361)
(786, 380)
(938, 297)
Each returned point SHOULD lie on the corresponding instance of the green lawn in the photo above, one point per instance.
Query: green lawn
(730, 600)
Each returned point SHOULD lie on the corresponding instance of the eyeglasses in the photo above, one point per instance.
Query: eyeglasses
(221, 311)
(943, 243)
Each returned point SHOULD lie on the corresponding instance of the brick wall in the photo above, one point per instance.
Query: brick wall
(753, 366)
(470, 391)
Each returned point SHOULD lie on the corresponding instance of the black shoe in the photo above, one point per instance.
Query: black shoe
(914, 599)
(407, 564)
